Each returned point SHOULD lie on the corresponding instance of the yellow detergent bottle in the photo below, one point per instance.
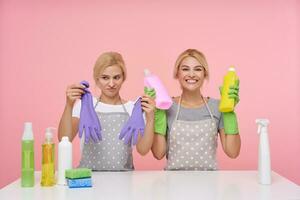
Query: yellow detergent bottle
(230, 79)
(48, 165)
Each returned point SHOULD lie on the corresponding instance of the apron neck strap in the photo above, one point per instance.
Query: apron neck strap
(179, 105)
(125, 110)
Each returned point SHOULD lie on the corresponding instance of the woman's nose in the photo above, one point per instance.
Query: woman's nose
(111, 83)
(191, 73)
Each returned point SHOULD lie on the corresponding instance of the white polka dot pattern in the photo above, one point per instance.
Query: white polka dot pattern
(192, 145)
(110, 154)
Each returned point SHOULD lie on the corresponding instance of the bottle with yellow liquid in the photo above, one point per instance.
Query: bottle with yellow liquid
(48, 164)
(230, 79)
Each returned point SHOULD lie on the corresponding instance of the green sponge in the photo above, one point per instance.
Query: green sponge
(78, 173)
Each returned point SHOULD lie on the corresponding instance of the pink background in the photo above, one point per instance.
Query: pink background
(46, 46)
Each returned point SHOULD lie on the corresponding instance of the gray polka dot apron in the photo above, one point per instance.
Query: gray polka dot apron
(192, 144)
(110, 154)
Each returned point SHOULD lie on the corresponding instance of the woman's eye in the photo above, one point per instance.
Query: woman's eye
(184, 69)
(117, 77)
(198, 69)
(104, 78)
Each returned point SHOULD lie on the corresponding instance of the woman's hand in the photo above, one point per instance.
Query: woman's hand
(148, 106)
(74, 92)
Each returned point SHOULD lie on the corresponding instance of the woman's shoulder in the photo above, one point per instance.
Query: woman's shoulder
(213, 100)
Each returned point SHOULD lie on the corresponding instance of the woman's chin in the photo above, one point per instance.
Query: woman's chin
(191, 88)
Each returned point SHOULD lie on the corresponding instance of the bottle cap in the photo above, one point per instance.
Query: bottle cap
(27, 134)
(231, 68)
(49, 134)
(147, 72)
(65, 138)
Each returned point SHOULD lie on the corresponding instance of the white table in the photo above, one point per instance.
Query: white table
(158, 185)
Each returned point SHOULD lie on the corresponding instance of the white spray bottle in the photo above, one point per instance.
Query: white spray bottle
(64, 159)
(264, 159)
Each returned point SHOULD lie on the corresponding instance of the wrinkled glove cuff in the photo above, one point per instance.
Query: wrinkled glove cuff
(230, 123)
(160, 122)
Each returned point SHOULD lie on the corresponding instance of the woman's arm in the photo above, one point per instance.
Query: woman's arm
(68, 125)
(231, 144)
(159, 147)
(144, 143)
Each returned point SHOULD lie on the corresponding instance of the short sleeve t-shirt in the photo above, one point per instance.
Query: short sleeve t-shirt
(105, 108)
(194, 114)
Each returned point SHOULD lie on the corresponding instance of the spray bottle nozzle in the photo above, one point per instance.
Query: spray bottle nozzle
(262, 123)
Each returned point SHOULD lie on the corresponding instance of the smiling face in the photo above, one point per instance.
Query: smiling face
(110, 81)
(190, 74)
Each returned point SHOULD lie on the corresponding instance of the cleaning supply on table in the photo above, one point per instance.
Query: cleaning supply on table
(48, 159)
(163, 100)
(79, 183)
(78, 173)
(89, 123)
(78, 178)
(27, 173)
(64, 159)
(227, 104)
(264, 159)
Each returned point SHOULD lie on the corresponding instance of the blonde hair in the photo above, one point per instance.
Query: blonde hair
(108, 59)
(199, 56)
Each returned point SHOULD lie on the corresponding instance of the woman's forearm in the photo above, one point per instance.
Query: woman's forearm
(144, 144)
(66, 124)
(232, 145)
(159, 146)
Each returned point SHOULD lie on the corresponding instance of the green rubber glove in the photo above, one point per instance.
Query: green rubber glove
(230, 118)
(160, 116)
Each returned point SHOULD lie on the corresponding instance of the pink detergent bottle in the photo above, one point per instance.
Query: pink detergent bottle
(163, 100)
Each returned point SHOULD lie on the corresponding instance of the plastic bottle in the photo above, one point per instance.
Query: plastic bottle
(230, 79)
(27, 173)
(48, 159)
(64, 159)
(163, 100)
(264, 160)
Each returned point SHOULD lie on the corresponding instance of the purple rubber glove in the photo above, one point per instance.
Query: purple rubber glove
(134, 125)
(88, 122)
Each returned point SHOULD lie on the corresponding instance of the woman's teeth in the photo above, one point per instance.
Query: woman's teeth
(191, 81)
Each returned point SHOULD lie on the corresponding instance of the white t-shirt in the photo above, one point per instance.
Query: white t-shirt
(105, 108)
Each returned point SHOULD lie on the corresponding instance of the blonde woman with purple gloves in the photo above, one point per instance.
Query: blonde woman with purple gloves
(194, 122)
(113, 112)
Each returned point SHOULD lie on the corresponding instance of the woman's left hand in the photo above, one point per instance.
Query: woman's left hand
(148, 106)
(233, 92)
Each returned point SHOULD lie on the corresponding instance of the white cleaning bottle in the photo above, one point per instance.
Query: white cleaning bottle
(264, 159)
(64, 159)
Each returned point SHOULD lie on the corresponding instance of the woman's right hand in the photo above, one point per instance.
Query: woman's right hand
(74, 92)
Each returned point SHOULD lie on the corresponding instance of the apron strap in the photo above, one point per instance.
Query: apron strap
(178, 108)
(206, 105)
(124, 108)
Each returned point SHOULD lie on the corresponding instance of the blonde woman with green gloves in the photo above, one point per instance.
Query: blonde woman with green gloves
(187, 132)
